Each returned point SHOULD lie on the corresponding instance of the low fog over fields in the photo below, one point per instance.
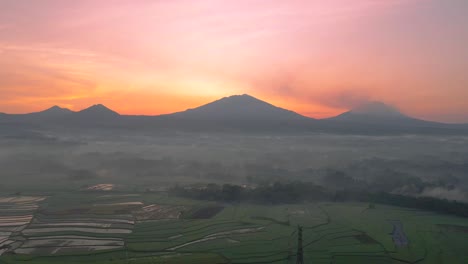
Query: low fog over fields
(239, 140)
(406, 164)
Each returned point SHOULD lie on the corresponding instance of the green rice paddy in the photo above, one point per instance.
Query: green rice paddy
(205, 232)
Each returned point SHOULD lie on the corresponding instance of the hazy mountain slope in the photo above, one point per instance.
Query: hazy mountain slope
(381, 114)
(239, 107)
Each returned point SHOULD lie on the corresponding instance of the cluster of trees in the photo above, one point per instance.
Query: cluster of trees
(272, 193)
(424, 203)
(294, 192)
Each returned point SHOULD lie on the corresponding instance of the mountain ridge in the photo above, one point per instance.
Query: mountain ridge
(366, 109)
(238, 113)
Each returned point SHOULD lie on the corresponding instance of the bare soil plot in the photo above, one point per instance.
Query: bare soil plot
(158, 212)
(365, 239)
(63, 250)
(237, 231)
(115, 208)
(206, 212)
(54, 244)
(22, 199)
(124, 208)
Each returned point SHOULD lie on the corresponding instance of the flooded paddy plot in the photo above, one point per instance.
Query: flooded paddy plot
(96, 209)
(59, 244)
(218, 235)
(94, 219)
(33, 231)
(15, 213)
(398, 235)
(159, 212)
(83, 219)
(85, 224)
(101, 187)
(81, 224)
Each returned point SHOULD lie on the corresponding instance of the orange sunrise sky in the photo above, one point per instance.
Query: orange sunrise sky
(318, 58)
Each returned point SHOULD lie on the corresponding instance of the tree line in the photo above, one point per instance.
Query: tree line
(296, 192)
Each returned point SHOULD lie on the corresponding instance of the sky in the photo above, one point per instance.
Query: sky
(316, 57)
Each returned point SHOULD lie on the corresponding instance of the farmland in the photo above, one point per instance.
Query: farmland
(105, 226)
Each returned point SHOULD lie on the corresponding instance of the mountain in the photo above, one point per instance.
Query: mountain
(239, 107)
(373, 112)
(378, 118)
(97, 111)
(53, 112)
(378, 109)
(238, 114)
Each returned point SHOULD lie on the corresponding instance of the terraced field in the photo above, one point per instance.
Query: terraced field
(111, 227)
(16, 213)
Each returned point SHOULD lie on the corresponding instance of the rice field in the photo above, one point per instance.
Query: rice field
(16, 212)
(92, 227)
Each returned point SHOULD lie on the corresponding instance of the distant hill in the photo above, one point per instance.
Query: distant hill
(239, 107)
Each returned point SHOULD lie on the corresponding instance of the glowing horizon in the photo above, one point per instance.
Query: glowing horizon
(317, 58)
